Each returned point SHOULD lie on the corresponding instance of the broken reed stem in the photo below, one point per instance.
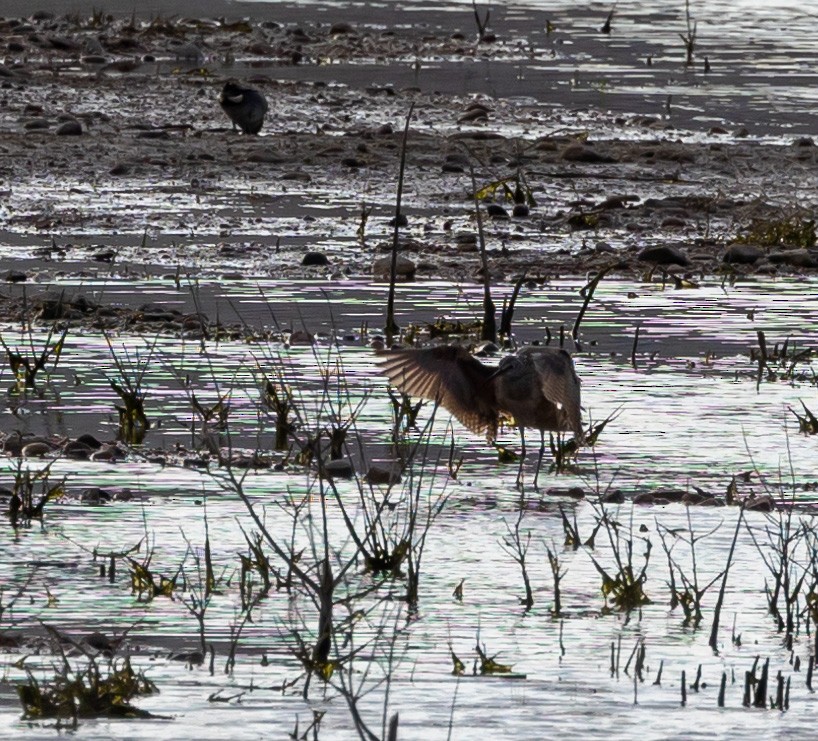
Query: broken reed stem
(714, 631)
(507, 313)
(562, 645)
(810, 667)
(589, 294)
(658, 681)
(684, 688)
(722, 689)
(391, 326)
(633, 348)
(488, 331)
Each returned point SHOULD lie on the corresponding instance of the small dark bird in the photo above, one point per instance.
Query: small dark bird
(537, 388)
(245, 106)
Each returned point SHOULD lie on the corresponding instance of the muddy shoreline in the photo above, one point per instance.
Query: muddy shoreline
(156, 184)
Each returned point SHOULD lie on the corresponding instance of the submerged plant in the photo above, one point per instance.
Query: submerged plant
(32, 490)
(26, 364)
(129, 387)
(93, 687)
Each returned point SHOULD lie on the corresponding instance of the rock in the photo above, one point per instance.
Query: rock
(795, 258)
(36, 449)
(36, 124)
(99, 642)
(340, 469)
(583, 153)
(383, 476)
(15, 276)
(313, 259)
(521, 211)
(69, 128)
(496, 211)
(742, 254)
(475, 114)
(664, 255)
(300, 337)
(95, 495)
(404, 267)
(644, 497)
(401, 220)
(341, 28)
(77, 451)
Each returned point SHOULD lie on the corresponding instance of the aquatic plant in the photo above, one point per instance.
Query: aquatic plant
(31, 491)
(516, 546)
(95, 687)
(688, 592)
(26, 363)
(689, 37)
(128, 386)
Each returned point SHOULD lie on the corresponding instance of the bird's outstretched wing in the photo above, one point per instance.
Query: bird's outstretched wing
(450, 375)
(560, 384)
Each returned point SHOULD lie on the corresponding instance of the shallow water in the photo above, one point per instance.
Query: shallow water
(690, 414)
(684, 421)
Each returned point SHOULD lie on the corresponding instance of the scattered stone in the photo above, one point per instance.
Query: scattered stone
(314, 259)
(37, 449)
(95, 495)
(402, 221)
(69, 128)
(796, 258)
(583, 153)
(521, 211)
(404, 267)
(15, 276)
(664, 255)
(99, 642)
(340, 469)
(341, 28)
(301, 337)
(742, 254)
(36, 124)
(383, 476)
(496, 211)
(474, 115)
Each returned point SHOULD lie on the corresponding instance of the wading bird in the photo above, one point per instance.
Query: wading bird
(537, 388)
(245, 106)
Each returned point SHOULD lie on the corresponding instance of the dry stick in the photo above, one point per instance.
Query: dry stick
(810, 667)
(508, 310)
(762, 358)
(714, 631)
(684, 689)
(633, 348)
(658, 681)
(760, 700)
(391, 325)
(722, 689)
(488, 331)
(589, 293)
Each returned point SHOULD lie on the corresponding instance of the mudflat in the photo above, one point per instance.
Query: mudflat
(115, 149)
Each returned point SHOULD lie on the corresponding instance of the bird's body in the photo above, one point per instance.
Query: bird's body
(245, 106)
(537, 388)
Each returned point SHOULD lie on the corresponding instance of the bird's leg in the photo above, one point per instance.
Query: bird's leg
(539, 460)
(522, 458)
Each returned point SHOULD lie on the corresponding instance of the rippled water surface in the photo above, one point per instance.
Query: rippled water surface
(691, 412)
(689, 415)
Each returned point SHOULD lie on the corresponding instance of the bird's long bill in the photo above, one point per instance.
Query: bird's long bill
(498, 372)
